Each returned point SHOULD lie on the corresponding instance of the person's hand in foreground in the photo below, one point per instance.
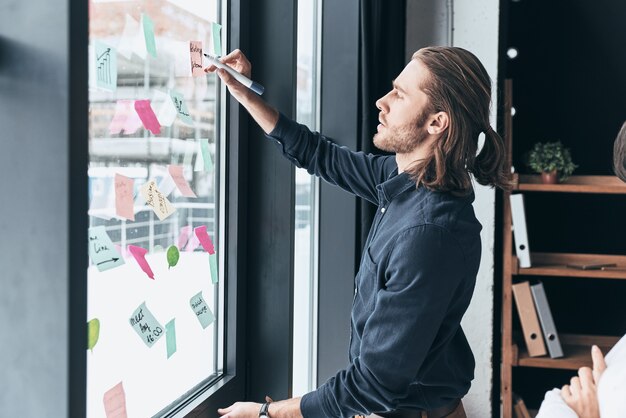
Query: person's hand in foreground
(581, 394)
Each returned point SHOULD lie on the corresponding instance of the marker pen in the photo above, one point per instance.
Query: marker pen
(255, 87)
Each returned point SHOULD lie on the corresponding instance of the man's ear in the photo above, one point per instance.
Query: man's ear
(438, 123)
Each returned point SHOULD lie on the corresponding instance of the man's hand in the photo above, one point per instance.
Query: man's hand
(241, 410)
(581, 394)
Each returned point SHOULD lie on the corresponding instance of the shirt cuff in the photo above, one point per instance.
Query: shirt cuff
(285, 131)
(312, 404)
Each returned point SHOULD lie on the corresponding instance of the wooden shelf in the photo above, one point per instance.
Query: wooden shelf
(555, 264)
(574, 184)
(576, 348)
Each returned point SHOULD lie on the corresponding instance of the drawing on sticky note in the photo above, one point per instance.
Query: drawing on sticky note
(101, 249)
(106, 66)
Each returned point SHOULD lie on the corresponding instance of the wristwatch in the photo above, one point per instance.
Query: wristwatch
(264, 412)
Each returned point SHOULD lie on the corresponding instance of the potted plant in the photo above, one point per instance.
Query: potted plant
(552, 160)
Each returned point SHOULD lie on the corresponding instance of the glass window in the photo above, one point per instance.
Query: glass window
(156, 142)
(305, 242)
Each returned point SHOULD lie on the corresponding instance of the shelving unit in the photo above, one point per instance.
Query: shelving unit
(576, 347)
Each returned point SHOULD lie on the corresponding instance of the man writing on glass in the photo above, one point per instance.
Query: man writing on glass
(408, 354)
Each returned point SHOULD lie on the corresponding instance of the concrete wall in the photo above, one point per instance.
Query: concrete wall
(475, 27)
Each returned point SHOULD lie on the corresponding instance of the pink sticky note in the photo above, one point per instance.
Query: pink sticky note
(195, 50)
(115, 402)
(185, 232)
(205, 239)
(176, 171)
(124, 187)
(140, 256)
(125, 118)
(192, 244)
(147, 116)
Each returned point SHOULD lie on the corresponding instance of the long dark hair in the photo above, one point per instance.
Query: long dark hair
(619, 154)
(459, 85)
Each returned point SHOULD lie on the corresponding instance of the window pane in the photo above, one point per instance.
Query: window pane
(155, 145)
(305, 251)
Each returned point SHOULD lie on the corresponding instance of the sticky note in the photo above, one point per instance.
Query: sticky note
(164, 108)
(166, 185)
(217, 39)
(181, 107)
(176, 171)
(204, 239)
(125, 118)
(202, 311)
(154, 198)
(195, 51)
(172, 256)
(115, 402)
(140, 256)
(148, 33)
(183, 237)
(145, 325)
(192, 244)
(170, 337)
(102, 197)
(124, 189)
(93, 333)
(131, 29)
(147, 116)
(106, 66)
(213, 266)
(101, 249)
(190, 148)
(179, 50)
(206, 154)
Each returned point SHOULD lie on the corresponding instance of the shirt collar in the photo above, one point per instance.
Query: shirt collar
(393, 186)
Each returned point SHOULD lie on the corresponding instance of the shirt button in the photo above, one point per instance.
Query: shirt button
(382, 210)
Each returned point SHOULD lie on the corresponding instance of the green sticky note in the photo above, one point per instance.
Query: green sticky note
(148, 33)
(201, 309)
(170, 337)
(172, 256)
(181, 107)
(213, 265)
(206, 154)
(217, 39)
(93, 333)
(101, 249)
(146, 326)
(106, 66)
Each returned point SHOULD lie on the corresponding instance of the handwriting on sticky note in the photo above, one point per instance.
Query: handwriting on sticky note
(195, 50)
(101, 249)
(124, 205)
(181, 107)
(217, 40)
(213, 266)
(183, 237)
(176, 171)
(115, 402)
(147, 116)
(139, 254)
(106, 66)
(202, 311)
(146, 326)
(205, 239)
(170, 337)
(148, 32)
(155, 199)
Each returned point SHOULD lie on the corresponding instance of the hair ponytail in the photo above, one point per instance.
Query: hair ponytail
(490, 168)
(619, 154)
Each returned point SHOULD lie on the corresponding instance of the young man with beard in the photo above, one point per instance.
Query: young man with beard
(408, 354)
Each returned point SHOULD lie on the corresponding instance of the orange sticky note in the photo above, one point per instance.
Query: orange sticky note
(124, 187)
(115, 402)
(195, 50)
(176, 171)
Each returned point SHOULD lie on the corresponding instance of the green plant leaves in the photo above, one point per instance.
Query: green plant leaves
(93, 333)
(550, 156)
(172, 256)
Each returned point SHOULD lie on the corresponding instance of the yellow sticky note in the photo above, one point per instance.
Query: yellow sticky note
(157, 200)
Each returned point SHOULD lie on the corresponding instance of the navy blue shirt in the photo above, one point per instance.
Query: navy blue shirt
(415, 282)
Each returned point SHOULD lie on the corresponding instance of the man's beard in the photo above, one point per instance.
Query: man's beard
(403, 139)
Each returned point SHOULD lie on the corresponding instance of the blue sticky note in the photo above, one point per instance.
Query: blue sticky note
(170, 337)
(148, 33)
(217, 39)
(146, 326)
(181, 107)
(101, 249)
(106, 66)
(206, 154)
(202, 311)
(213, 265)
